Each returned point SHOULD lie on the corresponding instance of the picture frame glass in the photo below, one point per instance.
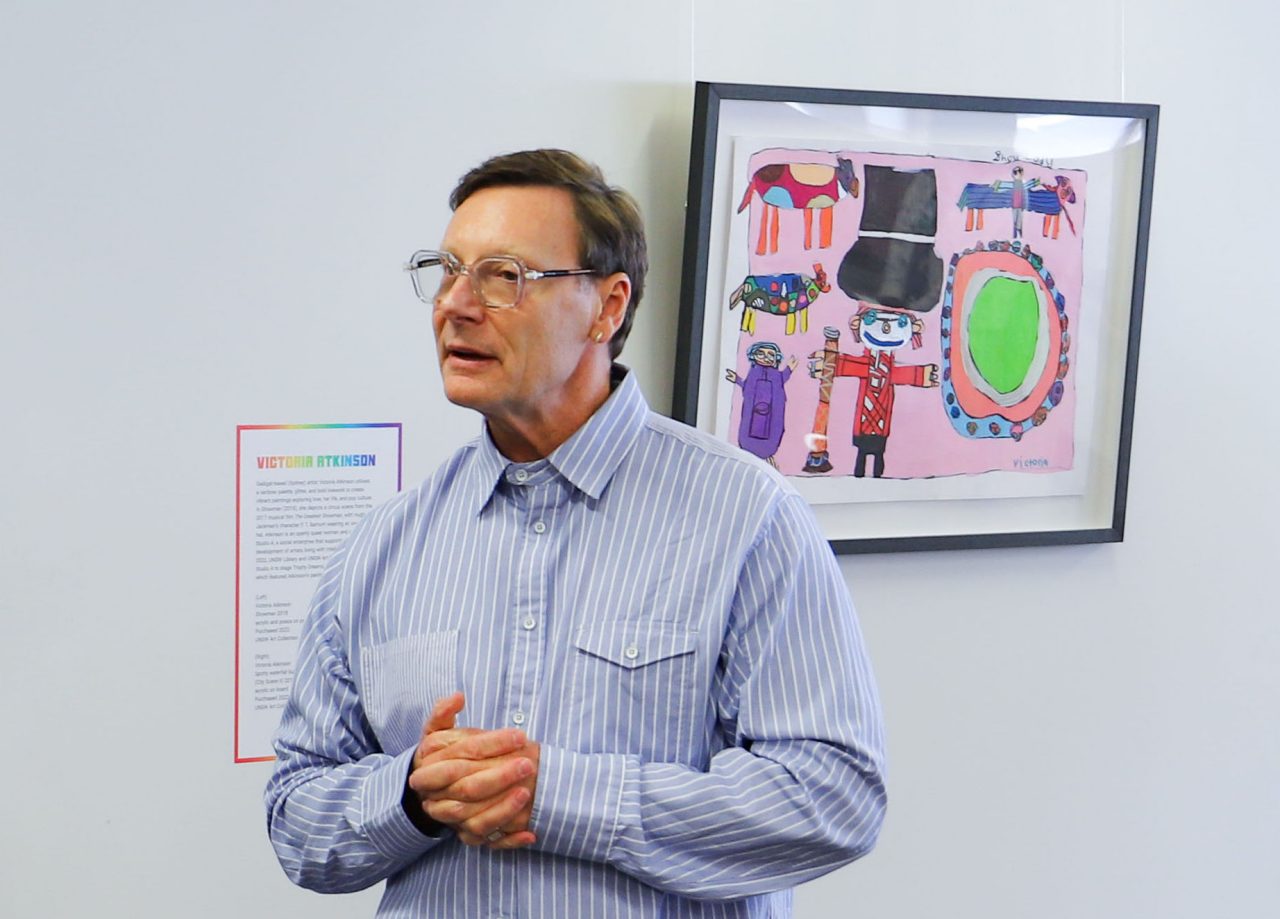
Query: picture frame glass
(922, 310)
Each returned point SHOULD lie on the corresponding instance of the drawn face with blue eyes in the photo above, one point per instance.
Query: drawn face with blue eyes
(882, 329)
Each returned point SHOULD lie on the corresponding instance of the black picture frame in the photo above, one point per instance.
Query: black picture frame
(931, 125)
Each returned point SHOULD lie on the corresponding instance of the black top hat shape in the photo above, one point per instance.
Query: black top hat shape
(892, 263)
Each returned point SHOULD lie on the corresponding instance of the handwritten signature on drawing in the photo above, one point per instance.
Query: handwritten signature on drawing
(1002, 157)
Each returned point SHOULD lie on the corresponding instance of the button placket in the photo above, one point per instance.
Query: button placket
(529, 600)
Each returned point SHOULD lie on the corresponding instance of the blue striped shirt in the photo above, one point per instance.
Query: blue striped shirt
(659, 610)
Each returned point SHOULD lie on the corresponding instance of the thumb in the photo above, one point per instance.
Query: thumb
(445, 713)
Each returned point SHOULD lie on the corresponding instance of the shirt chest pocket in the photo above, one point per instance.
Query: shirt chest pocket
(402, 680)
(637, 687)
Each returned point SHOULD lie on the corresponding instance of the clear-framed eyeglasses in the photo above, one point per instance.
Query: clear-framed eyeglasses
(498, 280)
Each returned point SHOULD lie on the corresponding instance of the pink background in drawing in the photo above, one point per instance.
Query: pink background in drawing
(923, 442)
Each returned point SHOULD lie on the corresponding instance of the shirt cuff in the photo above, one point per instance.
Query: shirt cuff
(576, 801)
(382, 817)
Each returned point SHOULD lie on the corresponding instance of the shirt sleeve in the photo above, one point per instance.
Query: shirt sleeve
(334, 810)
(908, 374)
(847, 365)
(798, 788)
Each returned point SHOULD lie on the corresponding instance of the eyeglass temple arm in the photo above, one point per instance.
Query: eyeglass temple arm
(422, 263)
(534, 275)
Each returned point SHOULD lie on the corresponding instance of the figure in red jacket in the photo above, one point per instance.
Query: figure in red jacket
(883, 331)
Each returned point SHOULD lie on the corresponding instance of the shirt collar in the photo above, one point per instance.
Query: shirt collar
(591, 455)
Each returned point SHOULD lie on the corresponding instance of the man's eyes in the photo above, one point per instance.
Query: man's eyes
(504, 271)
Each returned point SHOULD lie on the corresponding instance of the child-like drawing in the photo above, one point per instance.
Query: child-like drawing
(788, 295)
(1018, 191)
(800, 186)
(764, 400)
(883, 331)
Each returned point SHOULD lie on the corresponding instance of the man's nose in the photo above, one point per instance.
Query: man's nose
(459, 301)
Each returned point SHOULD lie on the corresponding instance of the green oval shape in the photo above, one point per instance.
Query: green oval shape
(1003, 328)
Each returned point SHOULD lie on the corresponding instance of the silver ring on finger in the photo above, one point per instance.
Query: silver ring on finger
(495, 836)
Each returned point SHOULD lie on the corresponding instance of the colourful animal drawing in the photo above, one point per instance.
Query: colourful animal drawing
(1054, 210)
(799, 186)
(788, 295)
(1049, 200)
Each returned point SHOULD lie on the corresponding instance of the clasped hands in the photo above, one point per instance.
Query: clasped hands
(478, 783)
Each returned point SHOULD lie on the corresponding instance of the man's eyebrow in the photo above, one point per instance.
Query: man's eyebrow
(496, 251)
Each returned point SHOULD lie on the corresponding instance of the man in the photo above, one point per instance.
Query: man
(599, 664)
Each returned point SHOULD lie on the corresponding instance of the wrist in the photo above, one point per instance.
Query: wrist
(417, 815)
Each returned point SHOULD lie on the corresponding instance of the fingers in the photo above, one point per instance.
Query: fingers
(508, 816)
(477, 745)
(439, 732)
(445, 713)
(438, 740)
(468, 780)
(442, 718)
(482, 785)
(514, 841)
(486, 800)
(503, 812)
(453, 813)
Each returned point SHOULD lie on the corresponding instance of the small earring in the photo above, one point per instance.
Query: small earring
(599, 336)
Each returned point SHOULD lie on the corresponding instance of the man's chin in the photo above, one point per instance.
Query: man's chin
(464, 391)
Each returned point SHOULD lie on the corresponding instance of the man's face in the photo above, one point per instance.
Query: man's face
(516, 365)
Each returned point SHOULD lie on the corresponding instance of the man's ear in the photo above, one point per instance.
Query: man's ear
(615, 294)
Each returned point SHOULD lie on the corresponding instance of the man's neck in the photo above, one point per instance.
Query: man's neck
(532, 437)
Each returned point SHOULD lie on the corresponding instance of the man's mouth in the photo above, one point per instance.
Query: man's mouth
(466, 353)
(462, 356)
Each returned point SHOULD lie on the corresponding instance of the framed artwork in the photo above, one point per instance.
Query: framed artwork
(922, 310)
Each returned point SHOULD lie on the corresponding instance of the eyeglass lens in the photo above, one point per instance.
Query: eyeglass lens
(497, 280)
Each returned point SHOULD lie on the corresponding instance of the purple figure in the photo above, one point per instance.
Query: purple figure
(764, 401)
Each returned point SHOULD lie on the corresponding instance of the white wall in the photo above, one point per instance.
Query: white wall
(203, 209)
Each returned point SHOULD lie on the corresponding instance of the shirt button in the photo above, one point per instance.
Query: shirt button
(530, 622)
(521, 475)
(632, 653)
(539, 527)
(517, 717)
